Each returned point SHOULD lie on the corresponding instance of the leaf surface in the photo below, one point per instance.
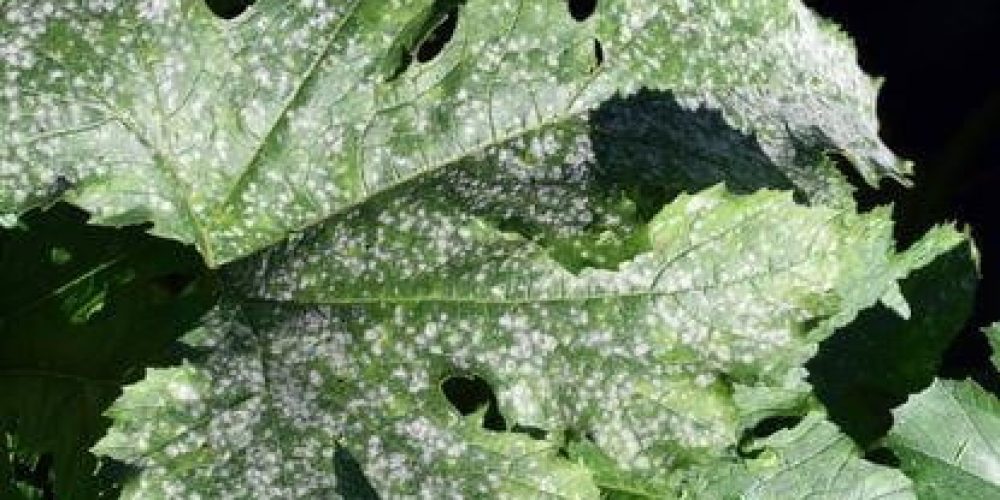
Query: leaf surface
(811, 460)
(946, 438)
(344, 335)
(233, 134)
(947, 435)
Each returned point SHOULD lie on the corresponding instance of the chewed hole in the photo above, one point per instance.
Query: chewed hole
(763, 429)
(581, 10)
(228, 9)
(469, 394)
(531, 431)
(439, 37)
(598, 54)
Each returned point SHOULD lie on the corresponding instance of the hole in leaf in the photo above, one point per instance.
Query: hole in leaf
(581, 10)
(598, 54)
(531, 431)
(424, 38)
(436, 40)
(763, 429)
(469, 394)
(228, 9)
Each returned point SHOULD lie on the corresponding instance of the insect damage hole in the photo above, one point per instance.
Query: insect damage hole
(765, 428)
(469, 394)
(438, 38)
(598, 54)
(430, 40)
(228, 9)
(581, 10)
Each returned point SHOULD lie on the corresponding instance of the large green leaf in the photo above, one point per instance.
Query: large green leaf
(948, 439)
(343, 336)
(83, 310)
(811, 460)
(231, 134)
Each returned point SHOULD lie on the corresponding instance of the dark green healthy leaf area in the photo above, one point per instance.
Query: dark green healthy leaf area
(948, 439)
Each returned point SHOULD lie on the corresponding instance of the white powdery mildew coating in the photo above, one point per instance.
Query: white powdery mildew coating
(793, 83)
(346, 333)
(250, 427)
(232, 134)
(144, 105)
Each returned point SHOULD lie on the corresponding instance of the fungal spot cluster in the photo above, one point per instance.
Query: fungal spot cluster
(231, 134)
(468, 224)
(353, 335)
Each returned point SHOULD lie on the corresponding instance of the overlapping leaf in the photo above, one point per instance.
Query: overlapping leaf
(342, 337)
(82, 311)
(230, 135)
(947, 439)
(810, 460)
(907, 349)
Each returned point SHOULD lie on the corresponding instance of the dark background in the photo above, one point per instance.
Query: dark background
(940, 107)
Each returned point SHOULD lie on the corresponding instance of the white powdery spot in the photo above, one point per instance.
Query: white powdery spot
(155, 10)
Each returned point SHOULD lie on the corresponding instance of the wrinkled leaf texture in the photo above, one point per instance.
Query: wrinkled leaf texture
(515, 209)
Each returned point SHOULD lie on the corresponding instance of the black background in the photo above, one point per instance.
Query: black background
(940, 107)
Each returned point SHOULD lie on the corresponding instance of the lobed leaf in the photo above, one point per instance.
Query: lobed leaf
(811, 460)
(233, 134)
(344, 335)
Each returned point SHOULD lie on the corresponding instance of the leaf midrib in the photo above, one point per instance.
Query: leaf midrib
(252, 164)
(352, 301)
